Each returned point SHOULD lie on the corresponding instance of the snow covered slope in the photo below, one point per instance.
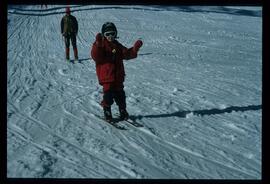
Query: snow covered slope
(195, 87)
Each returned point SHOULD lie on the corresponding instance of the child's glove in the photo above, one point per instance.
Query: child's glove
(99, 40)
(137, 45)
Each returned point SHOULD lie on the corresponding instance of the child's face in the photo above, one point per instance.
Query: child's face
(110, 36)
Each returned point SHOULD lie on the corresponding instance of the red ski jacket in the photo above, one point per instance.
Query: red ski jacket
(109, 57)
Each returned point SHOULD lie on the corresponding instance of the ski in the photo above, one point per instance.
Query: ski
(74, 61)
(133, 122)
(71, 61)
(113, 122)
(130, 121)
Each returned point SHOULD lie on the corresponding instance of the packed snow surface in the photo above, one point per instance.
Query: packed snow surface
(196, 87)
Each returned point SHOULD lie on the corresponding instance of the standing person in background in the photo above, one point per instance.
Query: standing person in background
(108, 55)
(69, 30)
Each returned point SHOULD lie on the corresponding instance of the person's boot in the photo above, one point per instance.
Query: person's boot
(67, 54)
(75, 53)
(123, 114)
(107, 114)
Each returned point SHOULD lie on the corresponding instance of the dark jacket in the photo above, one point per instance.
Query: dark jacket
(69, 25)
(109, 66)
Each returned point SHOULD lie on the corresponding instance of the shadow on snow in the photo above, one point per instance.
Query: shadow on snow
(182, 114)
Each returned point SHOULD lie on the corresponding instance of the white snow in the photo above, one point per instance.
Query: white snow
(195, 87)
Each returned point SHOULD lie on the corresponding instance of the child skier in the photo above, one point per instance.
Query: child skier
(108, 55)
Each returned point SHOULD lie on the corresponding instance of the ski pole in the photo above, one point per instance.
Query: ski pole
(63, 39)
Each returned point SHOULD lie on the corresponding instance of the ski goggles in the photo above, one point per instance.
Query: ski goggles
(110, 33)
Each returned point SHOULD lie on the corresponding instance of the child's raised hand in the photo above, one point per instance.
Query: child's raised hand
(99, 39)
(137, 45)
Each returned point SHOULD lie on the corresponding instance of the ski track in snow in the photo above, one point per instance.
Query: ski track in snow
(195, 87)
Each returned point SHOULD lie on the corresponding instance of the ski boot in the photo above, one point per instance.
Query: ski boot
(123, 114)
(107, 114)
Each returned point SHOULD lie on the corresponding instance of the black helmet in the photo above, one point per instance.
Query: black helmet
(108, 26)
